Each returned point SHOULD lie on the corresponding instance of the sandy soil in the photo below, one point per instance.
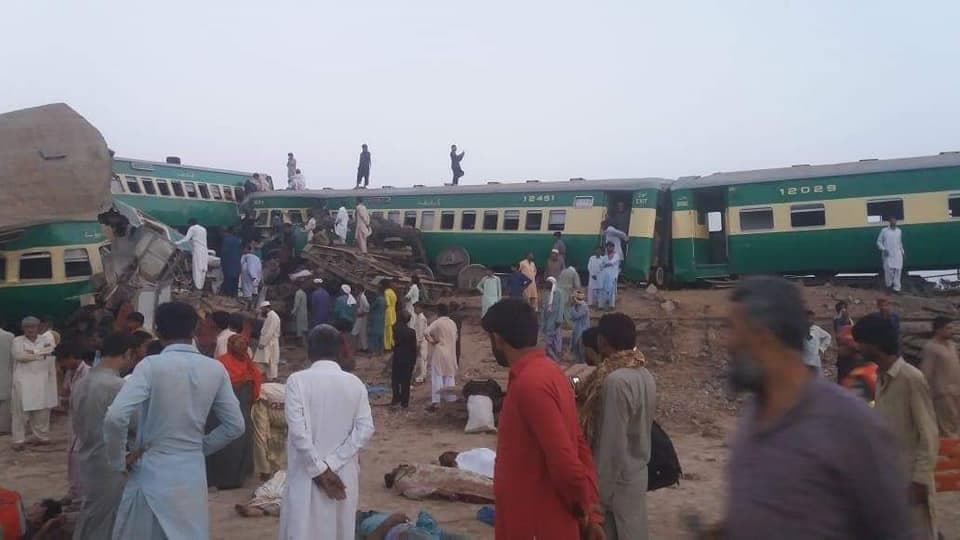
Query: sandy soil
(683, 341)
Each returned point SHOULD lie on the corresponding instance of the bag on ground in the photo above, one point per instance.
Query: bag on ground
(664, 467)
(480, 415)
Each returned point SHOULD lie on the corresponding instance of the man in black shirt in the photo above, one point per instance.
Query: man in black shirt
(403, 361)
(363, 169)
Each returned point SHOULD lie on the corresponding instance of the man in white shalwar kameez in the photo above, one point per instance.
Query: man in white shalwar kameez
(615, 236)
(341, 224)
(594, 265)
(328, 421)
(267, 356)
(890, 243)
(197, 237)
(251, 273)
(363, 229)
(310, 227)
(173, 393)
(34, 383)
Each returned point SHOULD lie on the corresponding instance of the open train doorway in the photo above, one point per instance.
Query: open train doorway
(711, 205)
(617, 215)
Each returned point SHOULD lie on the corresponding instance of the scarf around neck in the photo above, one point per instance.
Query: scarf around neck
(588, 395)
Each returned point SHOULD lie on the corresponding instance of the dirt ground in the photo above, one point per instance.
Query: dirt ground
(682, 336)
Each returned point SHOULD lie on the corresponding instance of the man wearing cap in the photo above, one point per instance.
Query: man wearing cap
(267, 356)
(34, 384)
(554, 264)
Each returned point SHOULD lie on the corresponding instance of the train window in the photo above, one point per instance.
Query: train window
(468, 221)
(276, 218)
(394, 216)
(76, 263)
(191, 189)
(204, 191)
(446, 219)
(239, 193)
(490, 219)
(163, 188)
(228, 193)
(534, 220)
(262, 217)
(116, 186)
(426, 220)
(215, 192)
(808, 215)
(132, 185)
(701, 217)
(953, 206)
(177, 188)
(556, 220)
(378, 214)
(756, 219)
(148, 186)
(583, 202)
(511, 220)
(879, 211)
(295, 217)
(36, 265)
(410, 218)
(3, 268)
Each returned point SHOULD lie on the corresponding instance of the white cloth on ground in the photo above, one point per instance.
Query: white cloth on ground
(477, 460)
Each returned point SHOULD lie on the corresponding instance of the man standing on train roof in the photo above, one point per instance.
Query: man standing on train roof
(363, 168)
(197, 236)
(363, 228)
(298, 182)
(455, 160)
(890, 243)
(291, 166)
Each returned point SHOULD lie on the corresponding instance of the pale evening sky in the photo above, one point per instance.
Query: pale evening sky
(530, 89)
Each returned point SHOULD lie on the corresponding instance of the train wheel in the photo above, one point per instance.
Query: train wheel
(470, 276)
(659, 277)
(450, 261)
(424, 271)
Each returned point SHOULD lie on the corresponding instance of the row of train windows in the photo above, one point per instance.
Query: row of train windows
(176, 188)
(489, 220)
(815, 214)
(38, 265)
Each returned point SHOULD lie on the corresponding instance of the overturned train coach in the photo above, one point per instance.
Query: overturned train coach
(802, 219)
(62, 236)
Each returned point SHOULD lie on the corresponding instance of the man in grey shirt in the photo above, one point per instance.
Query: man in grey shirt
(616, 405)
(809, 459)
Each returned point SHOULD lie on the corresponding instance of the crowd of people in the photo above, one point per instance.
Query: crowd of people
(158, 416)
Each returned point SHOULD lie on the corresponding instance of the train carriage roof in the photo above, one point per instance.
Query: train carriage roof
(54, 166)
(575, 184)
(801, 172)
(175, 170)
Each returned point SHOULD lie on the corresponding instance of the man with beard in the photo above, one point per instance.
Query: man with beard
(903, 399)
(616, 405)
(809, 459)
(544, 480)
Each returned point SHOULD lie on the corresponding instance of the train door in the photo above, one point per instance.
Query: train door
(617, 212)
(711, 207)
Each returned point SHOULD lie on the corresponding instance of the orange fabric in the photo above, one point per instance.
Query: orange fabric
(239, 364)
(12, 516)
(866, 373)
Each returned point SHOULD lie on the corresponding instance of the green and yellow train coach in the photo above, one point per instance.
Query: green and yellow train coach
(497, 224)
(821, 219)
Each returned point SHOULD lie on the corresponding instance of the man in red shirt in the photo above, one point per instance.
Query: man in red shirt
(545, 482)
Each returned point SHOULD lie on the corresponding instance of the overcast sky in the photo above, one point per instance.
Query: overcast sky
(529, 89)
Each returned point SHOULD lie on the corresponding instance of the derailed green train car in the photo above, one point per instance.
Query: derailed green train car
(498, 224)
(821, 219)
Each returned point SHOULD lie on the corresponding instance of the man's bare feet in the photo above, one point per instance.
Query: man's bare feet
(248, 511)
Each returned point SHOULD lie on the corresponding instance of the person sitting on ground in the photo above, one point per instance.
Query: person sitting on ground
(422, 481)
(478, 460)
(267, 498)
(45, 521)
